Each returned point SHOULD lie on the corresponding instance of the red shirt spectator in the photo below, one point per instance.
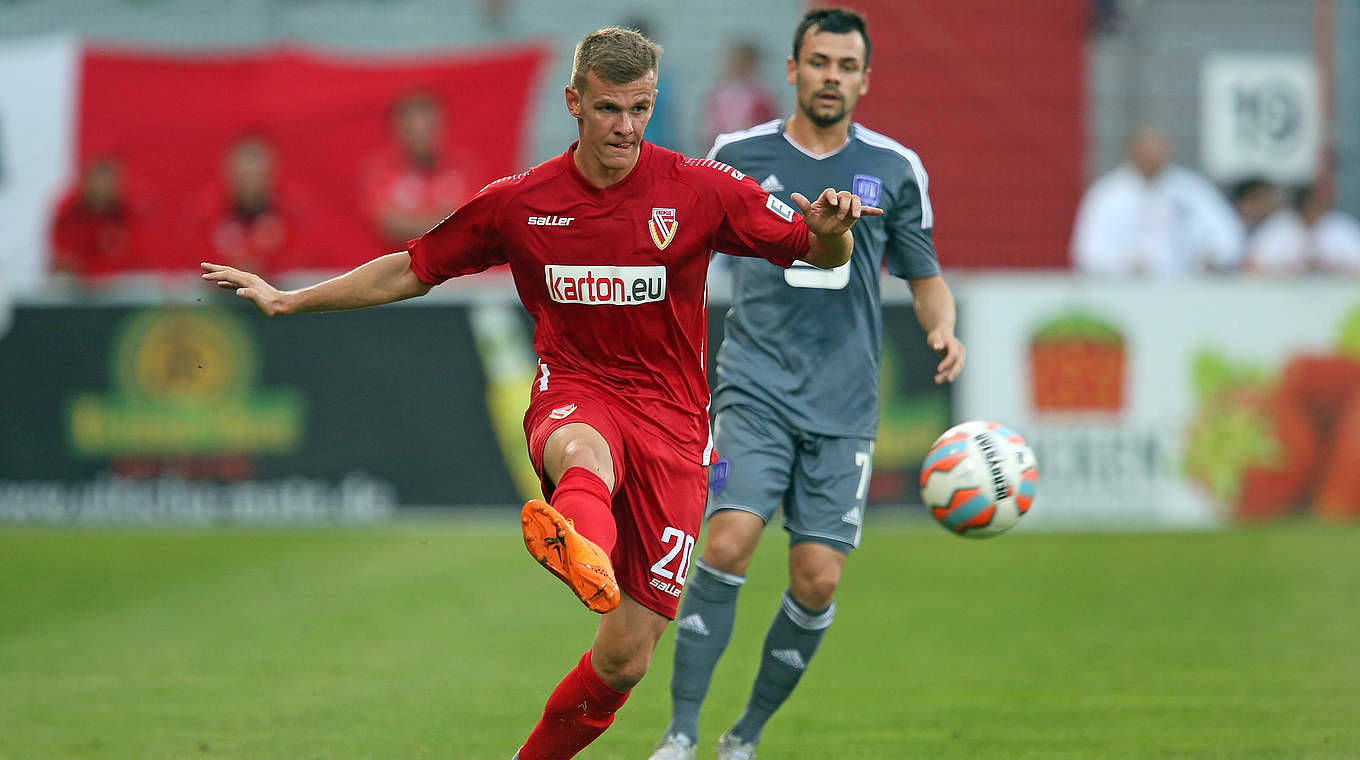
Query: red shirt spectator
(396, 189)
(410, 187)
(250, 222)
(95, 230)
(739, 100)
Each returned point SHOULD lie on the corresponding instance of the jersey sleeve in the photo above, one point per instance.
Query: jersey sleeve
(910, 252)
(752, 222)
(466, 242)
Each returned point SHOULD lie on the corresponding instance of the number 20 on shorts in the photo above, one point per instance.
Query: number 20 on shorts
(681, 545)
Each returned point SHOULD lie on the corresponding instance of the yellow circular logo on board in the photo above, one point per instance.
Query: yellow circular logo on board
(179, 354)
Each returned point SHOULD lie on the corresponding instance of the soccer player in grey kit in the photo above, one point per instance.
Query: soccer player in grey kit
(796, 403)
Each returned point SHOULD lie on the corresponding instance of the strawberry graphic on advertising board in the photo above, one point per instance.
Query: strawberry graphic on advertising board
(1077, 365)
(1269, 445)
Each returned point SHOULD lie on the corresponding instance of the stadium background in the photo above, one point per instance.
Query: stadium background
(998, 97)
(148, 402)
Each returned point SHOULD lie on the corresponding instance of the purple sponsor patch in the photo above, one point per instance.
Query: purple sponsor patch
(868, 188)
(717, 475)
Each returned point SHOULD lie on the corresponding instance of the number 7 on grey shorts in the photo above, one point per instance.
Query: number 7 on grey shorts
(821, 481)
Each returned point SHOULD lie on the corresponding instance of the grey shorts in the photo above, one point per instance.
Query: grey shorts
(821, 481)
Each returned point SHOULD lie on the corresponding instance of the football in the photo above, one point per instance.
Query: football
(979, 479)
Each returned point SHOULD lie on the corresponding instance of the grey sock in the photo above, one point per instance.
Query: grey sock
(789, 646)
(703, 628)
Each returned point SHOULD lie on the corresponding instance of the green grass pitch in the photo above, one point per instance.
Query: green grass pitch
(441, 640)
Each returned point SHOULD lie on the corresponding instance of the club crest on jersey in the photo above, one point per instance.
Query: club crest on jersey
(868, 188)
(662, 225)
(562, 412)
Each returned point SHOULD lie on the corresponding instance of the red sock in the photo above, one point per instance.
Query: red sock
(583, 497)
(578, 711)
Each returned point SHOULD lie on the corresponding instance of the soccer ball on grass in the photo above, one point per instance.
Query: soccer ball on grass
(979, 479)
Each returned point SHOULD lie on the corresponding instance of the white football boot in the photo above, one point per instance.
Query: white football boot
(673, 747)
(732, 748)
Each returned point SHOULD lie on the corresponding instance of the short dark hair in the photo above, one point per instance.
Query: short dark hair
(1248, 186)
(416, 100)
(834, 20)
(1303, 195)
(616, 56)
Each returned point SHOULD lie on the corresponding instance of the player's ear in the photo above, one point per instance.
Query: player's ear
(791, 70)
(864, 83)
(573, 102)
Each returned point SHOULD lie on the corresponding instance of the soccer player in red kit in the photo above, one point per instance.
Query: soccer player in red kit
(608, 244)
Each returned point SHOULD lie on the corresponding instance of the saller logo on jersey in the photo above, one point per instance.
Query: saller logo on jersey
(550, 221)
(614, 286)
(663, 226)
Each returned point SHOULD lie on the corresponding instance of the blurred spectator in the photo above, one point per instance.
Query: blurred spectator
(1106, 16)
(1311, 236)
(412, 185)
(95, 230)
(739, 100)
(247, 221)
(661, 128)
(1151, 217)
(1254, 198)
(496, 18)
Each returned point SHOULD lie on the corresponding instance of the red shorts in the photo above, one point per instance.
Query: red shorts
(659, 495)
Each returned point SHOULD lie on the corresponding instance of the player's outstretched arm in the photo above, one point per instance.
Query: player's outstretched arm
(934, 305)
(829, 220)
(383, 280)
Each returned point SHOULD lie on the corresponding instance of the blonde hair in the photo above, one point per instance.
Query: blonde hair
(616, 56)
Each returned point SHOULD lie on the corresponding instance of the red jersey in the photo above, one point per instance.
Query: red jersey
(270, 241)
(89, 243)
(614, 278)
(391, 181)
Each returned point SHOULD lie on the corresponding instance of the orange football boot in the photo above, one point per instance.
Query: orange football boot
(553, 541)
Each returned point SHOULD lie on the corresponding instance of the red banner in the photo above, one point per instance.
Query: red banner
(990, 93)
(170, 120)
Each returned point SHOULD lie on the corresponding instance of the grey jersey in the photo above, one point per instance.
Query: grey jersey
(806, 340)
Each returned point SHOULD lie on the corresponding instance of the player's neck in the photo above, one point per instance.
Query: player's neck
(816, 140)
(599, 175)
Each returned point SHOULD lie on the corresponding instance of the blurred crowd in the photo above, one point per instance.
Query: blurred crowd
(246, 216)
(1148, 217)
(250, 218)
(1152, 217)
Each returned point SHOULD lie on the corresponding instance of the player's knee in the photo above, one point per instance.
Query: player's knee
(726, 554)
(622, 668)
(583, 453)
(580, 453)
(731, 541)
(814, 586)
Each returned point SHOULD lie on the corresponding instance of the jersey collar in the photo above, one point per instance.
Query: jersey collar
(644, 157)
(849, 135)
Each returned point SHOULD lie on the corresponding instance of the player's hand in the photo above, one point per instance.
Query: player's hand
(951, 352)
(267, 298)
(833, 213)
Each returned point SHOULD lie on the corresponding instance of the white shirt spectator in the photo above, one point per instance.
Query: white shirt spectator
(1285, 244)
(1176, 223)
